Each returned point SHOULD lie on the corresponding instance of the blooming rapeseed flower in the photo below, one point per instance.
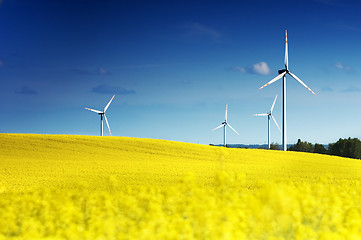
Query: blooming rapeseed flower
(81, 187)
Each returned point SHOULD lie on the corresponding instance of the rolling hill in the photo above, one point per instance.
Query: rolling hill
(56, 159)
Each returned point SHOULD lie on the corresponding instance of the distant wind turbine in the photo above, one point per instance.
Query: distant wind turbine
(269, 115)
(282, 74)
(102, 113)
(224, 125)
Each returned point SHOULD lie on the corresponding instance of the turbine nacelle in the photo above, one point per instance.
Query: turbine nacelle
(282, 71)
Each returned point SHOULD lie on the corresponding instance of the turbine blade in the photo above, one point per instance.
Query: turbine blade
(106, 107)
(226, 112)
(261, 114)
(276, 123)
(299, 80)
(106, 120)
(218, 127)
(273, 80)
(93, 110)
(232, 128)
(273, 105)
(286, 53)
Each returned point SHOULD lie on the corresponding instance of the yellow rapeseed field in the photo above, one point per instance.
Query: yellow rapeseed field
(83, 187)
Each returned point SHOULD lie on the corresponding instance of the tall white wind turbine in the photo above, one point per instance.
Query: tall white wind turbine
(102, 113)
(269, 116)
(282, 74)
(224, 125)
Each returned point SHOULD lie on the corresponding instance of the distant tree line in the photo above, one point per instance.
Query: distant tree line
(350, 148)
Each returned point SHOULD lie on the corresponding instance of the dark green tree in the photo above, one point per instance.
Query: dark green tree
(319, 148)
(301, 147)
(275, 146)
(350, 147)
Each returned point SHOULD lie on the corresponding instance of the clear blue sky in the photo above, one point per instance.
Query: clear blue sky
(174, 65)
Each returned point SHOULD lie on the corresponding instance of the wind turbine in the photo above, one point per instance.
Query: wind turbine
(224, 125)
(269, 116)
(282, 74)
(102, 113)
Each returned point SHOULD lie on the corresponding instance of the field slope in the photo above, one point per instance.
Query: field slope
(83, 187)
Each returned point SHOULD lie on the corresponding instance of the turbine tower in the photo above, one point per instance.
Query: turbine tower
(102, 113)
(282, 74)
(269, 116)
(224, 125)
